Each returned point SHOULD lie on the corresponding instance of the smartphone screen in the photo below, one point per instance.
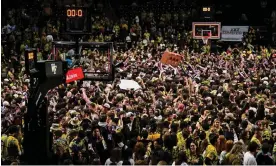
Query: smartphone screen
(90, 147)
(110, 136)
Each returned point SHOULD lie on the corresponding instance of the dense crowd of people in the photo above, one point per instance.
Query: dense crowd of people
(216, 107)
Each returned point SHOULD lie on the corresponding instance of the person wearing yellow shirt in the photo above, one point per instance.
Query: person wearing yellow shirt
(257, 137)
(194, 158)
(265, 52)
(90, 39)
(211, 155)
(178, 36)
(274, 152)
(125, 26)
(4, 137)
(101, 28)
(181, 138)
(11, 146)
(216, 126)
(107, 38)
(39, 56)
(116, 29)
(101, 38)
(153, 135)
(97, 39)
(147, 35)
(60, 142)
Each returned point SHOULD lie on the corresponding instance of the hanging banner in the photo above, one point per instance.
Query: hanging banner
(233, 33)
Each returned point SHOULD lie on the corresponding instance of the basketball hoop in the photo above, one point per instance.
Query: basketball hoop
(205, 39)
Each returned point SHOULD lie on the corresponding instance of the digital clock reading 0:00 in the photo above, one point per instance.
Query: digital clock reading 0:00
(206, 9)
(74, 12)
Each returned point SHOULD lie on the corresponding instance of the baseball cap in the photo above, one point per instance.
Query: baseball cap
(129, 114)
(106, 105)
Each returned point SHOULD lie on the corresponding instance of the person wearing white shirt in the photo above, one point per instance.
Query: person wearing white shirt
(115, 158)
(109, 162)
(131, 116)
(181, 159)
(137, 19)
(249, 156)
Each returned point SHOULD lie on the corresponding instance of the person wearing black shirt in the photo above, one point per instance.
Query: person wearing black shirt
(263, 157)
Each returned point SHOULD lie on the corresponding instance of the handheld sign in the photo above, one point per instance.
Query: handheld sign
(74, 75)
(170, 58)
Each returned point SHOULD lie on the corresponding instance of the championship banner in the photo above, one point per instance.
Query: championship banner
(233, 33)
(171, 58)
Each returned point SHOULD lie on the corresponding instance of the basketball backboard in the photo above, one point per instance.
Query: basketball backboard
(95, 58)
(202, 29)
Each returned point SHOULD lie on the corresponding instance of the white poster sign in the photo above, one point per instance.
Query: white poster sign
(86, 84)
(129, 84)
(233, 33)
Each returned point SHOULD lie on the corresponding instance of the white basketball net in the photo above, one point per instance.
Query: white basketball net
(205, 40)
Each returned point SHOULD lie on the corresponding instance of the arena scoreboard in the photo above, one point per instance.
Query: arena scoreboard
(77, 19)
(207, 12)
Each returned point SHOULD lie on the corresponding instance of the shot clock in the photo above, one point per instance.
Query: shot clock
(30, 60)
(74, 12)
(76, 19)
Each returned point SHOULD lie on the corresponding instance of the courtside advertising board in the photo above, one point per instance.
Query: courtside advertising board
(233, 33)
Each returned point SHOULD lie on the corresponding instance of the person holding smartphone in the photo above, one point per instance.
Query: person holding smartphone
(99, 144)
